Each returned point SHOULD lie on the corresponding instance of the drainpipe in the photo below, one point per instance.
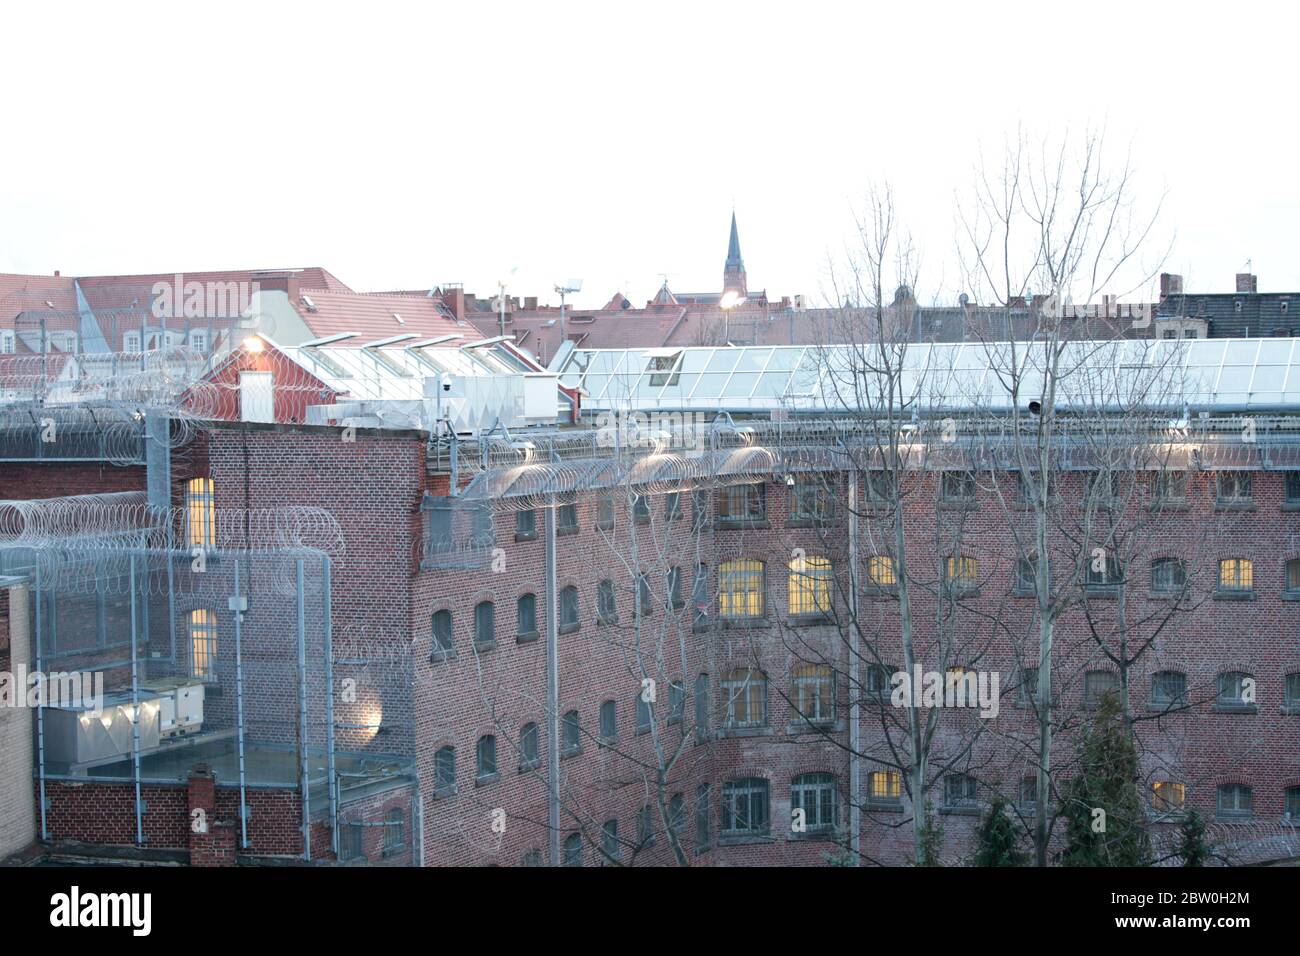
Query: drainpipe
(302, 715)
(552, 691)
(135, 714)
(327, 616)
(35, 596)
(237, 604)
(855, 707)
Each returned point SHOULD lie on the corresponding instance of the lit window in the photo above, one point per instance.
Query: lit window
(1168, 796)
(882, 572)
(740, 588)
(885, 786)
(814, 692)
(746, 696)
(810, 585)
(961, 572)
(200, 513)
(203, 644)
(1236, 574)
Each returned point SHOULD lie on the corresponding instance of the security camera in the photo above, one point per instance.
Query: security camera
(1035, 408)
(789, 480)
(446, 382)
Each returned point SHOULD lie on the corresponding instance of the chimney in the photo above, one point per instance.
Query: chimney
(1246, 283)
(1170, 284)
(530, 302)
(455, 298)
(286, 282)
(56, 273)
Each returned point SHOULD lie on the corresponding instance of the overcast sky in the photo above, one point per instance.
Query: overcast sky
(404, 147)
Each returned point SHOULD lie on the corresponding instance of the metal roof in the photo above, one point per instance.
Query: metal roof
(1205, 374)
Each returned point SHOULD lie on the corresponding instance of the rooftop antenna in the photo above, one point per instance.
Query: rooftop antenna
(568, 288)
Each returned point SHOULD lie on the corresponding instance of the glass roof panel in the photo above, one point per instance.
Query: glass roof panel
(753, 360)
(723, 360)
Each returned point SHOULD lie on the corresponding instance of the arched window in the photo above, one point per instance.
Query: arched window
(745, 692)
(882, 572)
(810, 585)
(1168, 575)
(444, 770)
(526, 615)
(702, 707)
(674, 588)
(1168, 689)
(961, 572)
(568, 609)
(644, 595)
(745, 806)
(203, 645)
(606, 602)
(571, 733)
(814, 793)
(1236, 575)
(529, 751)
(609, 720)
(443, 645)
(487, 757)
(885, 787)
(1236, 800)
(1236, 690)
(814, 692)
(1168, 796)
(200, 513)
(740, 588)
(573, 850)
(1097, 683)
(485, 627)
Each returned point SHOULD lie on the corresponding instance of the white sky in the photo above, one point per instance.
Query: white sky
(405, 145)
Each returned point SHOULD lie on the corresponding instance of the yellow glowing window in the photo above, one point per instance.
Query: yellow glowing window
(203, 644)
(1236, 574)
(961, 571)
(200, 512)
(1168, 795)
(810, 585)
(881, 571)
(740, 588)
(886, 785)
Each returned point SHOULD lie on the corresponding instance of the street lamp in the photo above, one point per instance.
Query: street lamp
(572, 286)
(730, 299)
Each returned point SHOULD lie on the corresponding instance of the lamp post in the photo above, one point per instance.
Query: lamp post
(574, 285)
(730, 299)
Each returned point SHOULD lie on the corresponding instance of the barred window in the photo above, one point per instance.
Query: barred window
(200, 513)
(810, 499)
(815, 794)
(573, 850)
(526, 614)
(571, 733)
(1028, 690)
(739, 503)
(486, 754)
(961, 572)
(1232, 689)
(1169, 689)
(640, 508)
(485, 628)
(1234, 487)
(569, 608)
(444, 770)
(882, 571)
(810, 585)
(567, 518)
(1236, 574)
(1236, 800)
(1168, 796)
(958, 486)
(1291, 806)
(525, 524)
(442, 639)
(1026, 575)
(1101, 572)
(675, 599)
(1170, 486)
(203, 645)
(814, 692)
(606, 602)
(746, 696)
(702, 707)
(644, 714)
(645, 826)
(879, 681)
(605, 512)
(959, 790)
(1291, 694)
(1292, 487)
(676, 702)
(1168, 575)
(702, 822)
(745, 807)
(740, 588)
(644, 595)
(885, 786)
(1293, 574)
(529, 749)
(676, 813)
(1097, 683)
(609, 720)
(609, 840)
(672, 506)
(700, 595)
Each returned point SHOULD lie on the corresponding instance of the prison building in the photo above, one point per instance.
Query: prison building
(480, 632)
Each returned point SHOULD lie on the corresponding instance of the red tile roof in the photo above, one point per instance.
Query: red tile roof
(371, 316)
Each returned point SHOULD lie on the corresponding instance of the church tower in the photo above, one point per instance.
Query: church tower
(733, 275)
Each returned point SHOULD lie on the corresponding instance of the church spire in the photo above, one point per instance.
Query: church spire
(733, 274)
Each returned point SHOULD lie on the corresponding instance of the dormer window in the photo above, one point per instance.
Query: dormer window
(665, 366)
